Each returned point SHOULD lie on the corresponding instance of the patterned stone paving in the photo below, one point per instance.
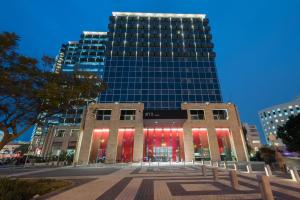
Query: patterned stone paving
(188, 183)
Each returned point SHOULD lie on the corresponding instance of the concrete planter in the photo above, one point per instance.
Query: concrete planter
(292, 162)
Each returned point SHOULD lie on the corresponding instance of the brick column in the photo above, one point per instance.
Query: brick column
(83, 146)
(112, 143)
(188, 144)
(213, 144)
(239, 143)
(138, 144)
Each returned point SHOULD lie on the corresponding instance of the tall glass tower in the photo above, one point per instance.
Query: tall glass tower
(161, 60)
(87, 54)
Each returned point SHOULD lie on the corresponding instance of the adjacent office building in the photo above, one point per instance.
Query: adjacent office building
(60, 138)
(87, 54)
(252, 136)
(163, 101)
(275, 116)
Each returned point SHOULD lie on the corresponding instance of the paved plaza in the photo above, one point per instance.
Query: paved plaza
(157, 183)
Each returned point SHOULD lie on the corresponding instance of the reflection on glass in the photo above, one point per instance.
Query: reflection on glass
(100, 138)
(125, 145)
(163, 144)
(201, 146)
(223, 136)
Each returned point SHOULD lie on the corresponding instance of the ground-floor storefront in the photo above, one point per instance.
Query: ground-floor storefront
(120, 133)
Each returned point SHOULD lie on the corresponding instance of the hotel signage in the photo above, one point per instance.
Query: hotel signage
(165, 114)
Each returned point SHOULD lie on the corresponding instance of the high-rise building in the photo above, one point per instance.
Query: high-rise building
(252, 136)
(87, 54)
(275, 116)
(163, 101)
(161, 60)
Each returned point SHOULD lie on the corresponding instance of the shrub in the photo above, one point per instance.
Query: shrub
(18, 189)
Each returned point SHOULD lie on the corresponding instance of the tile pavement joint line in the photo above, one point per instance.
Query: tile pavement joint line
(176, 189)
(136, 171)
(115, 190)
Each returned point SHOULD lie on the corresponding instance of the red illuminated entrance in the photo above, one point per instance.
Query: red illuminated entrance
(223, 136)
(125, 145)
(163, 144)
(201, 146)
(100, 137)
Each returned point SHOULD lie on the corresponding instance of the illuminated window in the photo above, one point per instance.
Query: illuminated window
(225, 150)
(201, 145)
(125, 145)
(163, 144)
(98, 151)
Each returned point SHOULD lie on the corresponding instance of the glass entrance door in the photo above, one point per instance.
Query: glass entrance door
(163, 144)
(162, 154)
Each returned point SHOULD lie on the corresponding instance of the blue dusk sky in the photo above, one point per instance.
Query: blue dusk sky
(257, 42)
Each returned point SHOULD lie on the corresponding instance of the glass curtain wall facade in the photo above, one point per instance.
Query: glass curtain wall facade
(161, 60)
(275, 116)
(201, 144)
(87, 54)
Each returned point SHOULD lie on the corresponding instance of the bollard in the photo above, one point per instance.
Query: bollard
(294, 174)
(265, 187)
(225, 165)
(203, 170)
(210, 163)
(217, 163)
(249, 167)
(215, 173)
(202, 162)
(268, 170)
(193, 161)
(234, 179)
(235, 166)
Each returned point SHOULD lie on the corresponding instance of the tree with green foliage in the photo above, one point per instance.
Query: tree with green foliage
(23, 148)
(29, 95)
(267, 154)
(289, 133)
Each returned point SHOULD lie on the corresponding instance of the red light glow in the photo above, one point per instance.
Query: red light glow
(125, 145)
(163, 144)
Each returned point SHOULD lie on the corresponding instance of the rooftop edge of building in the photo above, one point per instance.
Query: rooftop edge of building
(295, 100)
(94, 33)
(202, 16)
